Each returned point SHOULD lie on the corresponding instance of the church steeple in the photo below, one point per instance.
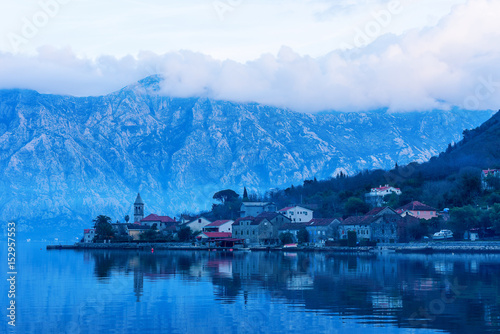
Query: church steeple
(138, 209)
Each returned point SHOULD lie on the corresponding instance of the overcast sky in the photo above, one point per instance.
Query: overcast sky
(309, 55)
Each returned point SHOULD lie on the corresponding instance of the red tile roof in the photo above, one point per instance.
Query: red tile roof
(87, 230)
(384, 188)
(358, 220)
(415, 206)
(253, 220)
(322, 221)
(270, 215)
(155, 218)
(287, 208)
(376, 211)
(218, 223)
(218, 234)
(237, 221)
(487, 171)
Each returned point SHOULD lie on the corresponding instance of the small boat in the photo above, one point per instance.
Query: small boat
(443, 234)
(290, 246)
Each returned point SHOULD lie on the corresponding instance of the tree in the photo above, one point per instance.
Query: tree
(103, 227)
(227, 195)
(494, 217)
(184, 234)
(149, 235)
(286, 238)
(303, 236)
(352, 238)
(127, 218)
(245, 194)
(355, 205)
(463, 219)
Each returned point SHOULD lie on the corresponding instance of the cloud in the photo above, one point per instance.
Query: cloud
(452, 64)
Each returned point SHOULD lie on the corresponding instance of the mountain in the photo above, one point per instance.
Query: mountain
(478, 148)
(67, 159)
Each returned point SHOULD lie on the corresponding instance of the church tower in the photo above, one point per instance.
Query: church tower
(138, 209)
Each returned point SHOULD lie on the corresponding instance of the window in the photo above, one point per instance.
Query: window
(305, 212)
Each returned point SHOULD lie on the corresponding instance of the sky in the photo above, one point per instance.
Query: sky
(309, 56)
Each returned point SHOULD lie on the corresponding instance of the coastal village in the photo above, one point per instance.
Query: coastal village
(264, 224)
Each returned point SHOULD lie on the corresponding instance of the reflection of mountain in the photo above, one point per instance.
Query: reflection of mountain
(446, 292)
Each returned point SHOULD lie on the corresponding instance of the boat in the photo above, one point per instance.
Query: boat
(442, 235)
(290, 246)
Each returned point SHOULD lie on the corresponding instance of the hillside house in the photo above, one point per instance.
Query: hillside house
(418, 210)
(486, 174)
(297, 214)
(376, 195)
(253, 209)
(219, 226)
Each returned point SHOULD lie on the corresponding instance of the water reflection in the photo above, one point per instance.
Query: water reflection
(454, 293)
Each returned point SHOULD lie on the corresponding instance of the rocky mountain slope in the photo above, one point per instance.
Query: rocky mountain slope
(65, 159)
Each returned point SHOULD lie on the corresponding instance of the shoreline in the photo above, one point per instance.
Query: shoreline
(462, 247)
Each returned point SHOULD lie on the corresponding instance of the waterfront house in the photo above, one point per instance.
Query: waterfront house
(382, 225)
(277, 219)
(376, 195)
(418, 210)
(322, 229)
(297, 214)
(255, 230)
(162, 222)
(219, 226)
(292, 228)
(358, 224)
(88, 235)
(254, 209)
(135, 230)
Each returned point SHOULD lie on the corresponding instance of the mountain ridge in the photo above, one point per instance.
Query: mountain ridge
(70, 158)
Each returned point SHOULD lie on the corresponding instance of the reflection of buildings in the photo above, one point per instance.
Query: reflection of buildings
(138, 284)
(392, 285)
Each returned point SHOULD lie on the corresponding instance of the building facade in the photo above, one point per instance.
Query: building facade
(255, 231)
(418, 210)
(253, 209)
(297, 214)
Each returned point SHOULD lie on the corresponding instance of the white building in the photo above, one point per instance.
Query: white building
(197, 224)
(88, 235)
(376, 195)
(297, 214)
(220, 226)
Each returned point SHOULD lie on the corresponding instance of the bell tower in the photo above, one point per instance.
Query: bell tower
(138, 209)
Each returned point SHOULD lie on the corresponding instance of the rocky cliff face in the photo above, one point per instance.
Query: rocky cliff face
(69, 159)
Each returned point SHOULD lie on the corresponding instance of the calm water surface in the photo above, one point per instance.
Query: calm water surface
(212, 292)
